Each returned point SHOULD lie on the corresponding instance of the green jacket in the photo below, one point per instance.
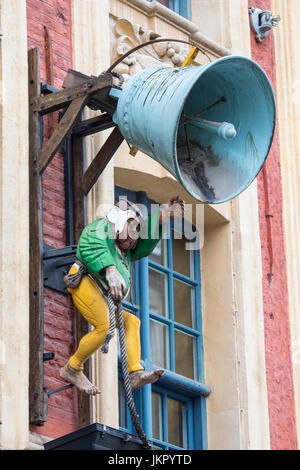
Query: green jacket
(96, 248)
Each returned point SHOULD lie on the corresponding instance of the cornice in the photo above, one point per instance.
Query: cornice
(188, 27)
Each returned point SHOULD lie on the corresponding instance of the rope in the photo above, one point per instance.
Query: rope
(112, 323)
(128, 391)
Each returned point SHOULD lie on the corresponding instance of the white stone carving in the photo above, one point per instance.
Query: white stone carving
(127, 36)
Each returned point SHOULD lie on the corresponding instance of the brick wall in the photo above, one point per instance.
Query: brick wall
(59, 316)
(275, 294)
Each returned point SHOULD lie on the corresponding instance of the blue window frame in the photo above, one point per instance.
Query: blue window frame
(172, 415)
(166, 296)
(182, 7)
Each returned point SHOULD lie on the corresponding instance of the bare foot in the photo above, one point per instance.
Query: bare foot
(77, 378)
(139, 378)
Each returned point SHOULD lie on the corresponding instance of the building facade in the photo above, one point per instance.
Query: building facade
(221, 319)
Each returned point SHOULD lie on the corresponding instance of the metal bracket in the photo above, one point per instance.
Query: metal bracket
(49, 356)
(56, 263)
(60, 389)
(262, 21)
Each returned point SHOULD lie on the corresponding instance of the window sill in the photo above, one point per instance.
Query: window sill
(188, 27)
(179, 383)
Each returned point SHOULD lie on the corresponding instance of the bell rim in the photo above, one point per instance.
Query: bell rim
(204, 68)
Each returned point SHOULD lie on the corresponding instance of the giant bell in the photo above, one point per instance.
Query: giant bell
(210, 126)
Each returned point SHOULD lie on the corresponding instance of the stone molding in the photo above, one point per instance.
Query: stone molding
(127, 35)
(186, 26)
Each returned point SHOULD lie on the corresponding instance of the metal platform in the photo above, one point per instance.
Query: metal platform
(96, 436)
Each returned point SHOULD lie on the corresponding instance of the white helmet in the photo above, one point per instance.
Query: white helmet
(123, 211)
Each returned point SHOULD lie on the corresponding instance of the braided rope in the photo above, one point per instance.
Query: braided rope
(104, 349)
(128, 391)
(112, 323)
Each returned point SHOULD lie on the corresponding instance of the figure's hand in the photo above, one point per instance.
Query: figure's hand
(173, 209)
(116, 283)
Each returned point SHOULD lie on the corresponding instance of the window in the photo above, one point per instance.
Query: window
(174, 326)
(166, 297)
(182, 7)
(171, 414)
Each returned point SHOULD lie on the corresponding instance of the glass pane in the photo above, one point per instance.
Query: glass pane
(159, 254)
(159, 339)
(167, 3)
(183, 303)
(185, 354)
(181, 256)
(158, 299)
(157, 425)
(177, 423)
(122, 405)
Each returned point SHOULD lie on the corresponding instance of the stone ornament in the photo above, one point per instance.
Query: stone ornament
(127, 35)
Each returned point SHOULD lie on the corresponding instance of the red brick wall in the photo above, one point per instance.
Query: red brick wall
(58, 311)
(275, 294)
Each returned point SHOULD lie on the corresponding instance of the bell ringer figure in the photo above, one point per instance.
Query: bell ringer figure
(105, 251)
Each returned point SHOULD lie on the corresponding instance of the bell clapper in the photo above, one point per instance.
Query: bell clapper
(189, 118)
(221, 100)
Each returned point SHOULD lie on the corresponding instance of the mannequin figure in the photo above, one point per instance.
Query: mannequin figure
(105, 251)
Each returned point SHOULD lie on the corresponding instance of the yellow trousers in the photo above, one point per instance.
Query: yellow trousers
(94, 308)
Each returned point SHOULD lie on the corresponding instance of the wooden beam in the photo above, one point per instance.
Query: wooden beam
(63, 128)
(37, 413)
(61, 99)
(49, 75)
(93, 125)
(82, 327)
(49, 56)
(101, 159)
(78, 163)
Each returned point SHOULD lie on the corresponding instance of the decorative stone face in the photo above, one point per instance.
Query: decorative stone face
(126, 35)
